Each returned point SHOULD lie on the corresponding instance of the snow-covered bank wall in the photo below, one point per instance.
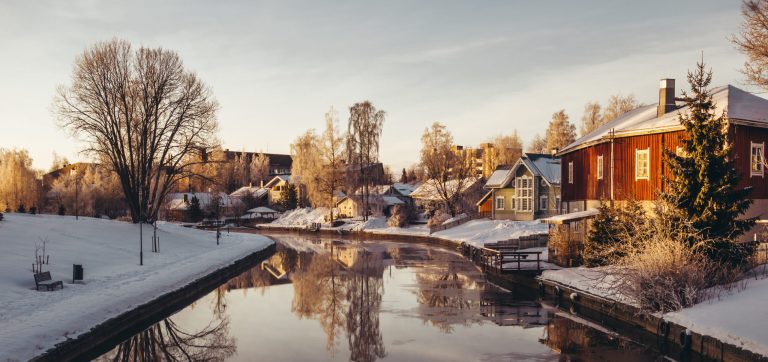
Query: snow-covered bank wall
(32, 322)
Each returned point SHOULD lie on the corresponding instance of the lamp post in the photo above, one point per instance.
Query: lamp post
(77, 188)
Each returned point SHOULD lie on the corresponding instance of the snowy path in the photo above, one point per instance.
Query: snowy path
(32, 322)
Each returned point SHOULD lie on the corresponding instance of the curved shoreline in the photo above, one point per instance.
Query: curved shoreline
(101, 338)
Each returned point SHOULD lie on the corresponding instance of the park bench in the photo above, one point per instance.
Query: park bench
(44, 280)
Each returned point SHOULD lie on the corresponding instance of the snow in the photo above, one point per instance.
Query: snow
(455, 218)
(738, 318)
(578, 215)
(301, 217)
(261, 210)
(499, 178)
(34, 321)
(595, 281)
(403, 189)
(543, 165)
(482, 231)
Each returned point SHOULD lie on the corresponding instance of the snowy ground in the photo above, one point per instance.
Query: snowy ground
(475, 232)
(32, 322)
(738, 318)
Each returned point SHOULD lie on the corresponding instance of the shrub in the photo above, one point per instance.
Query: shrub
(399, 216)
(438, 218)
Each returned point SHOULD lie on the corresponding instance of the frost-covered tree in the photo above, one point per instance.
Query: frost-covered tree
(592, 117)
(259, 168)
(560, 132)
(331, 150)
(307, 167)
(363, 134)
(142, 114)
(18, 184)
(538, 144)
(508, 149)
(89, 189)
(618, 105)
(702, 186)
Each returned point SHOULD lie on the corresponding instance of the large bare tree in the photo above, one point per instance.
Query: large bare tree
(560, 132)
(331, 153)
(508, 149)
(363, 134)
(141, 113)
(752, 40)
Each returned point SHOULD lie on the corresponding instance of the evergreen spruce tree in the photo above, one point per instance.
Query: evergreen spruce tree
(702, 184)
(195, 211)
(404, 177)
(289, 199)
(611, 231)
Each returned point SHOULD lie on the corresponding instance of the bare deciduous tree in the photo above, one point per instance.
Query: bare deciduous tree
(363, 134)
(538, 144)
(752, 40)
(331, 153)
(448, 172)
(592, 117)
(508, 149)
(618, 105)
(259, 168)
(18, 185)
(141, 113)
(306, 168)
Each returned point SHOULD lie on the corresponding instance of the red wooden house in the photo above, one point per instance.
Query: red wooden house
(623, 159)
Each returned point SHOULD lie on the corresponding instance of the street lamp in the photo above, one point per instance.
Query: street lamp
(77, 184)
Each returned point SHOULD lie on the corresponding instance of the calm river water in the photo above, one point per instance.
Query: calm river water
(317, 299)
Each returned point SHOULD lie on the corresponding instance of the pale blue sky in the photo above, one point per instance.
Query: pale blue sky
(481, 68)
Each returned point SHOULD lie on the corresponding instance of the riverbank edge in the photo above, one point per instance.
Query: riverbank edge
(102, 337)
(706, 346)
(364, 235)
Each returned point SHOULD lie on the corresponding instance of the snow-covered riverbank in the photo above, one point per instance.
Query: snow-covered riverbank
(737, 317)
(32, 322)
(475, 232)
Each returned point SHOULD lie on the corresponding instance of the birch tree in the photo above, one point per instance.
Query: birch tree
(259, 168)
(363, 134)
(331, 148)
(141, 113)
(592, 117)
(538, 144)
(306, 167)
(618, 105)
(18, 184)
(752, 40)
(508, 149)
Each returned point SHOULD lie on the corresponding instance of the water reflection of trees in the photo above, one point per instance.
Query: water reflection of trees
(343, 289)
(167, 341)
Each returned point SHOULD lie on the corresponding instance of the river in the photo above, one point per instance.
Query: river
(317, 299)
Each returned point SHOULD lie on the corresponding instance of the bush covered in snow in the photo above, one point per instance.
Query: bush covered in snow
(399, 216)
(438, 218)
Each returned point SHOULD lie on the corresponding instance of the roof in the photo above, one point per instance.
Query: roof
(574, 216)
(261, 210)
(257, 192)
(404, 189)
(544, 165)
(499, 178)
(485, 197)
(740, 106)
(387, 200)
(176, 200)
(275, 180)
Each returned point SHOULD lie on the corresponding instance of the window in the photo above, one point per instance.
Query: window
(524, 194)
(600, 167)
(757, 159)
(499, 202)
(513, 203)
(557, 202)
(642, 164)
(543, 202)
(570, 172)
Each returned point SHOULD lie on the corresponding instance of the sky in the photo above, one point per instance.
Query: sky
(482, 68)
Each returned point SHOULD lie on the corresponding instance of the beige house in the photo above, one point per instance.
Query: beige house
(529, 190)
(276, 186)
(352, 206)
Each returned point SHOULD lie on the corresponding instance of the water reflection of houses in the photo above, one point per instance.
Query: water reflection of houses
(504, 310)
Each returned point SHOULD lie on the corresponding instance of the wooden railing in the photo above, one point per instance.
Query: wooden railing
(506, 260)
(436, 228)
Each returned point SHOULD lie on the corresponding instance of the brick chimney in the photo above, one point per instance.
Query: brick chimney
(666, 97)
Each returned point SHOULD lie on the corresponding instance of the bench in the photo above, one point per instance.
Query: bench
(44, 280)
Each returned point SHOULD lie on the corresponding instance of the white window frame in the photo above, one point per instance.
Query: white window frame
(570, 172)
(757, 164)
(557, 203)
(544, 202)
(524, 194)
(600, 167)
(647, 153)
(496, 204)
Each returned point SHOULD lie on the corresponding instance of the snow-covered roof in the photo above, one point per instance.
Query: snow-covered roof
(391, 200)
(499, 178)
(574, 216)
(404, 189)
(740, 106)
(261, 210)
(256, 192)
(428, 189)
